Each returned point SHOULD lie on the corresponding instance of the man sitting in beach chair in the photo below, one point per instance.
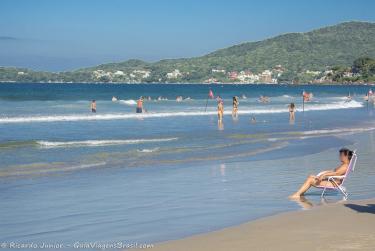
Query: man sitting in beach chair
(328, 179)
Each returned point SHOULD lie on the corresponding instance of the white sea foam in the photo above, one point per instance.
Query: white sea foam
(32, 169)
(128, 102)
(54, 144)
(338, 130)
(309, 107)
(81, 166)
(148, 150)
(273, 139)
(333, 106)
(122, 116)
(76, 167)
(286, 96)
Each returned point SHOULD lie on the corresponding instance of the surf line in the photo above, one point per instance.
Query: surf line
(78, 117)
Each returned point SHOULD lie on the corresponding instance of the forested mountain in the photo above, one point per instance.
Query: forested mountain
(295, 53)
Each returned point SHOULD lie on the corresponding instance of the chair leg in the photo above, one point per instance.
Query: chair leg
(324, 190)
(341, 189)
(343, 192)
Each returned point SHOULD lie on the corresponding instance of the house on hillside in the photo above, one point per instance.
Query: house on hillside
(266, 76)
(233, 75)
(142, 73)
(119, 73)
(174, 74)
(247, 77)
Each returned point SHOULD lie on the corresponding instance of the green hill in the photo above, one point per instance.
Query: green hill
(337, 45)
(334, 45)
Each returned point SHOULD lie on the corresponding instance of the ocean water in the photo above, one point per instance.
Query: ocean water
(67, 175)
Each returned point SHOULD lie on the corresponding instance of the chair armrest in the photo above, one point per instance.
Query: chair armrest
(336, 177)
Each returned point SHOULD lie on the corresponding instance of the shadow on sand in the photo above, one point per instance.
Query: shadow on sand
(369, 208)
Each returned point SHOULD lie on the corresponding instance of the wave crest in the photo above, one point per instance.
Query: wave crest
(128, 102)
(121, 116)
(89, 143)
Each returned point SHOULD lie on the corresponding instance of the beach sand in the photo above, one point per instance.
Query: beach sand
(346, 225)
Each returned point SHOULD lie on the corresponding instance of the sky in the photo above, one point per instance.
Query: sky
(59, 35)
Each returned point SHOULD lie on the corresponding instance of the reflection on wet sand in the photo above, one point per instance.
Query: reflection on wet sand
(220, 125)
(307, 204)
(222, 172)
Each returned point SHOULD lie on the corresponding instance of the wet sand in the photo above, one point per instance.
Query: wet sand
(346, 225)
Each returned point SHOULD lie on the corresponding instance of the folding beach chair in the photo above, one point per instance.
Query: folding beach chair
(333, 179)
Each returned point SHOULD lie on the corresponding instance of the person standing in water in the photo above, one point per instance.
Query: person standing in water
(235, 107)
(292, 110)
(139, 108)
(93, 106)
(220, 109)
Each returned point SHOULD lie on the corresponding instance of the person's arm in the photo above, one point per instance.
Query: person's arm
(322, 173)
(337, 172)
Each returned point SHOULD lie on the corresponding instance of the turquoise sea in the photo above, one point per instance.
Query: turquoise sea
(68, 175)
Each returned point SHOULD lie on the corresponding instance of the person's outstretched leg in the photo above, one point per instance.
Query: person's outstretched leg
(311, 180)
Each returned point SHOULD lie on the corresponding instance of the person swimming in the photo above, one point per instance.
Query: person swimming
(93, 106)
(292, 110)
(264, 99)
(139, 108)
(345, 155)
(253, 120)
(161, 98)
(179, 98)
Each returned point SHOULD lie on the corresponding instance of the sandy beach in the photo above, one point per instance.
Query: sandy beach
(346, 225)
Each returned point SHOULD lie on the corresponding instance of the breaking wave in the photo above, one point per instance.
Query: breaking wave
(128, 102)
(333, 106)
(338, 131)
(54, 144)
(122, 116)
(148, 150)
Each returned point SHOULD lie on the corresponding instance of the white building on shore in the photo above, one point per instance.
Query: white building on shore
(119, 73)
(174, 74)
(142, 73)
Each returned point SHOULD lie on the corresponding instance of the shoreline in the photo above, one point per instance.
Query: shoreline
(344, 225)
(193, 83)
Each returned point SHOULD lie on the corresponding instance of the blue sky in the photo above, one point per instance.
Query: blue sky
(67, 34)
